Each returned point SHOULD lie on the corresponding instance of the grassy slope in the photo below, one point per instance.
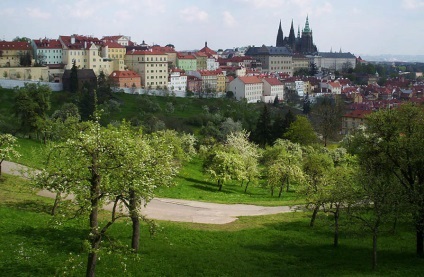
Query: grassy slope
(277, 245)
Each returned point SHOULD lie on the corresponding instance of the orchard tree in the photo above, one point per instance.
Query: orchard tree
(249, 152)
(223, 164)
(329, 112)
(84, 166)
(7, 148)
(317, 167)
(397, 136)
(283, 164)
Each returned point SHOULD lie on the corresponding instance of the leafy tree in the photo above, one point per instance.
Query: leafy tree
(284, 163)
(229, 126)
(317, 169)
(31, 105)
(329, 113)
(87, 103)
(381, 198)
(105, 164)
(397, 136)
(25, 59)
(7, 148)
(223, 165)
(301, 131)
(249, 152)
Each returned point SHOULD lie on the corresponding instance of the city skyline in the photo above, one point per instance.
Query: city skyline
(360, 27)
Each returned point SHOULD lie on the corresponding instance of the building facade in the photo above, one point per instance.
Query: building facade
(152, 67)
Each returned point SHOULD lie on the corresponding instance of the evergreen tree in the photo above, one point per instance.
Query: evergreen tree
(313, 69)
(306, 105)
(276, 101)
(73, 78)
(263, 132)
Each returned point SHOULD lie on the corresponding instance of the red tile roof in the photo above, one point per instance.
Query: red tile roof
(273, 81)
(113, 44)
(46, 43)
(250, 80)
(14, 45)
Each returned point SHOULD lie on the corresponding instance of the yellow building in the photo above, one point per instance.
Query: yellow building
(152, 66)
(221, 81)
(12, 51)
(87, 52)
(116, 52)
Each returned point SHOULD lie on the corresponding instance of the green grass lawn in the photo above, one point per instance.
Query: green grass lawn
(275, 245)
(193, 184)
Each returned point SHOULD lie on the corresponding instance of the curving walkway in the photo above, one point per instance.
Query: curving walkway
(182, 210)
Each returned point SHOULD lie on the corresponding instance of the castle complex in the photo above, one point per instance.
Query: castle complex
(301, 44)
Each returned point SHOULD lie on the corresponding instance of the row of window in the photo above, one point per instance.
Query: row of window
(152, 59)
(48, 50)
(156, 77)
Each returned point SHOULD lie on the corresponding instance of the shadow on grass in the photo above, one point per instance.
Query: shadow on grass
(31, 206)
(195, 181)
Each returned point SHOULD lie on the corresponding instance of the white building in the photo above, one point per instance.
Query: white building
(212, 64)
(247, 87)
(47, 51)
(300, 88)
(177, 81)
(272, 87)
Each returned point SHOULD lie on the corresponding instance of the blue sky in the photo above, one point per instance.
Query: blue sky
(360, 26)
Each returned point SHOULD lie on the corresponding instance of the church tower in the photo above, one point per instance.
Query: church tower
(280, 37)
(292, 38)
(307, 44)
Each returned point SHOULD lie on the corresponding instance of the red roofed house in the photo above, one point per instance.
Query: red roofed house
(12, 51)
(247, 87)
(126, 79)
(272, 87)
(209, 52)
(47, 51)
(353, 120)
(334, 87)
(86, 52)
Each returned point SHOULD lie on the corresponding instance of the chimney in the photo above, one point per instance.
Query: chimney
(206, 44)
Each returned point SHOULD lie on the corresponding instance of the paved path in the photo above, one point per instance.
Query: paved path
(183, 210)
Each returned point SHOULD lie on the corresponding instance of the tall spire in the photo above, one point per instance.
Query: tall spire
(292, 37)
(298, 31)
(307, 29)
(280, 38)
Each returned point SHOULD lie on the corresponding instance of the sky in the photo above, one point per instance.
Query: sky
(362, 27)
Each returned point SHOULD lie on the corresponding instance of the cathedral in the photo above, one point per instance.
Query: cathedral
(301, 44)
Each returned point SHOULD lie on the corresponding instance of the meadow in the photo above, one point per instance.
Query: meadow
(31, 244)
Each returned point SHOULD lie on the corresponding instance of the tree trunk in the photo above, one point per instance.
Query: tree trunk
(0, 167)
(219, 185)
(272, 191)
(374, 249)
(95, 234)
(135, 239)
(247, 184)
(57, 200)
(288, 185)
(314, 215)
(336, 226)
(281, 191)
(420, 242)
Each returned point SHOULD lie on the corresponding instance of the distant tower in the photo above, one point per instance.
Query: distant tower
(292, 38)
(280, 37)
(307, 44)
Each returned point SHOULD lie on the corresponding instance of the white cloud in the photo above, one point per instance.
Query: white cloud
(37, 13)
(229, 19)
(265, 3)
(324, 9)
(7, 12)
(412, 4)
(191, 14)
